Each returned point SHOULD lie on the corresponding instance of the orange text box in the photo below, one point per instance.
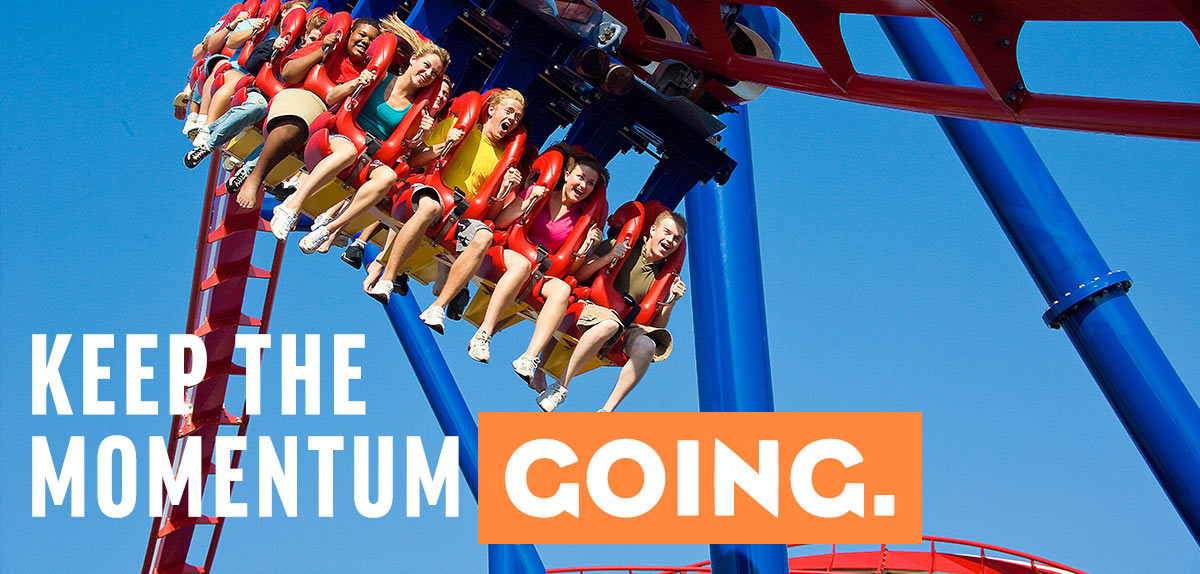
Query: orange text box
(676, 478)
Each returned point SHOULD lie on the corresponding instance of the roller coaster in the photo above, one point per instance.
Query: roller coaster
(673, 80)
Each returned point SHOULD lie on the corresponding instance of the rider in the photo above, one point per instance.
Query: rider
(549, 228)
(292, 110)
(602, 327)
(478, 154)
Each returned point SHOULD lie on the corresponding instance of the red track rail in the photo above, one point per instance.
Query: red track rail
(223, 250)
(884, 560)
(987, 31)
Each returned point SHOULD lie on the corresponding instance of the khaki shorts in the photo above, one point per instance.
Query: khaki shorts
(297, 103)
(593, 314)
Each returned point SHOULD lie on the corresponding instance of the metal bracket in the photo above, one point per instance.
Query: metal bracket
(1098, 286)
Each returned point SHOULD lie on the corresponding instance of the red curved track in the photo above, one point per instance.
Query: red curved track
(929, 561)
(987, 31)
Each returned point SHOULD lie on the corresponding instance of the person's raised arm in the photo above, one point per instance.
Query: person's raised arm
(664, 315)
(593, 240)
(515, 209)
(242, 33)
(215, 42)
(605, 255)
(296, 68)
(341, 91)
(429, 152)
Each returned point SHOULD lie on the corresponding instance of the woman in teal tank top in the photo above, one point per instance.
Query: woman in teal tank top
(382, 112)
(378, 117)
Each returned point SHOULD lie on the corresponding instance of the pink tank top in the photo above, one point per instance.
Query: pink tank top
(551, 234)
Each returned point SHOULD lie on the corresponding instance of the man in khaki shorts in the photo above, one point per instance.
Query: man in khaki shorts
(602, 327)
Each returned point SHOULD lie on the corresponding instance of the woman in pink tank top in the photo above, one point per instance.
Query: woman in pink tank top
(549, 228)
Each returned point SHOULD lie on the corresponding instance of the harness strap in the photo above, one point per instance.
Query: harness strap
(460, 207)
(539, 270)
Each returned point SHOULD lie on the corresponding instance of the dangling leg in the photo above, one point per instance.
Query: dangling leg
(640, 350)
(381, 180)
(589, 344)
(516, 273)
(285, 135)
(427, 211)
(556, 294)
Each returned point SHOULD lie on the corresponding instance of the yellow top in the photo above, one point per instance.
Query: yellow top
(473, 162)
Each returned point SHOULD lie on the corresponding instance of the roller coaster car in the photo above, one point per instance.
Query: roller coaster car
(198, 72)
(268, 11)
(391, 152)
(549, 169)
(630, 223)
(317, 81)
(469, 112)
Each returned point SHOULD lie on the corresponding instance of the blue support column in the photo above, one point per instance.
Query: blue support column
(1086, 298)
(451, 411)
(733, 366)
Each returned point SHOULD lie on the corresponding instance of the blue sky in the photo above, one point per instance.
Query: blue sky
(889, 288)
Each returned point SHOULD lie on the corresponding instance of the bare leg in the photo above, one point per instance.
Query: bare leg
(640, 351)
(206, 94)
(223, 98)
(382, 179)
(368, 231)
(409, 237)
(516, 274)
(343, 155)
(334, 209)
(557, 295)
(374, 271)
(286, 135)
(589, 344)
(464, 268)
(538, 381)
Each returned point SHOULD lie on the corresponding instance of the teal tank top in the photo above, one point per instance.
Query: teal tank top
(377, 117)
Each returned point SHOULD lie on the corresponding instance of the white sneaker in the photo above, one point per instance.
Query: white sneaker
(381, 291)
(191, 123)
(552, 397)
(201, 138)
(526, 366)
(480, 346)
(283, 222)
(231, 163)
(309, 243)
(192, 128)
(321, 221)
(435, 318)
